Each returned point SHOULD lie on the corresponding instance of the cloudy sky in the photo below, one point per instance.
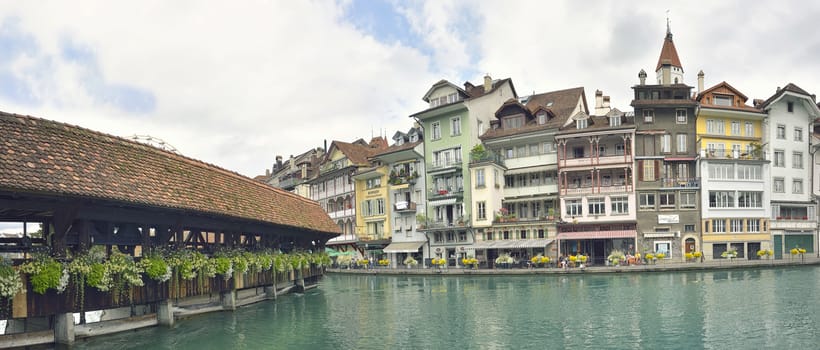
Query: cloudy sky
(235, 83)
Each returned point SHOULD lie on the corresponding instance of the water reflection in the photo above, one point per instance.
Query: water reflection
(756, 308)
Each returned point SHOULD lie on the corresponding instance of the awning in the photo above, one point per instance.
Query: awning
(512, 244)
(598, 234)
(403, 247)
(447, 201)
(679, 159)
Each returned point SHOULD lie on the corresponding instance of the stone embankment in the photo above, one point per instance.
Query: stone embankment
(657, 267)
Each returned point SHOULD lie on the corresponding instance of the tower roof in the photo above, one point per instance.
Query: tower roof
(668, 52)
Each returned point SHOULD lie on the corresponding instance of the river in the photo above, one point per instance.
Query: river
(723, 309)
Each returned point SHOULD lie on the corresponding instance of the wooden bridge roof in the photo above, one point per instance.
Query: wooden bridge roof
(44, 157)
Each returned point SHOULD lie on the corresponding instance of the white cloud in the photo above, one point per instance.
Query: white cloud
(235, 84)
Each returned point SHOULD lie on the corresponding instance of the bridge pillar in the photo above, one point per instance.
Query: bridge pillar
(229, 300)
(165, 313)
(64, 328)
(270, 291)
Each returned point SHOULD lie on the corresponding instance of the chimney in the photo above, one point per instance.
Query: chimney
(599, 99)
(700, 81)
(666, 72)
(325, 145)
(642, 77)
(292, 163)
(267, 172)
(278, 164)
(488, 83)
(606, 102)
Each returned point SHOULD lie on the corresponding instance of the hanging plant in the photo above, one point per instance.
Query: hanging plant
(45, 273)
(10, 281)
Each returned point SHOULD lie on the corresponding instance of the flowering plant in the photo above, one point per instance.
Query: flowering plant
(10, 281)
(616, 256)
(697, 254)
(765, 253)
(384, 262)
(504, 259)
(438, 262)
(45, 273)
(729, 254)
(410, 261)
(470, 262)
(660, 255)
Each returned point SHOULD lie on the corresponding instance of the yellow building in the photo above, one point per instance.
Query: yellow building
(372, 216)
(734, 173)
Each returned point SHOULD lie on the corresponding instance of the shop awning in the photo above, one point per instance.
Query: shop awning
(598, 234)
(512, 244)
(403, 247)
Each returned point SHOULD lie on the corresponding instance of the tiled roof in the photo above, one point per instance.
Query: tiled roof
(789, 87)
(561, 103)
(396, 148)
(358, 152)
(721, 88)
(668, 52)
(48, 157)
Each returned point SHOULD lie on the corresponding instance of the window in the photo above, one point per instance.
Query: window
(689, 228)
(574, 207)
(781, 131)
(479, 178)
(736, 225)
(542, 117)
(581, 123)
(747, 199)
(647, 201)
(681, 143)
(437, 237)
(496, 178)
(721, 199)
(680, 116)
(480, 127)
(798, 134)
(797, 160)
(648, 116)
(506, 235)
(753, 225)
(666, 143)
(649, 170)
(664, 247)
(719, 226)
(735, 130)
(380, 206)
(797, 186)
(779, 158)
(687, 200)
(597, 206)
(455, 126)
(715, 126)
(481, 209)
(721, 100)
(513, 122)
(522, 234)
(534, 149)
(683, 171)
(720, 171)
(749, 172)
(541, 233)
(488, 236)
(373, 183)
(750, 129)
(548, 147)
(790, 107)
(620, 205)
(451, 236)
(778, 185)
(619, 149)
(615, 121)
(436, 127)
(667, 200)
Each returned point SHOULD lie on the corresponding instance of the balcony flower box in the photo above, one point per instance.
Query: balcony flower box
(442, 192)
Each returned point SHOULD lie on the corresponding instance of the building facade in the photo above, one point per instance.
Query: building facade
(791, 114)
(456, 117)
(735, 175)
(668, 188)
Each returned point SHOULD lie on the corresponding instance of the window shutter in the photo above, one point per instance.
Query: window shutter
(640, 170)
(657, 170)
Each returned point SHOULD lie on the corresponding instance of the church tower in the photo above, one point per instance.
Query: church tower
(669, 69)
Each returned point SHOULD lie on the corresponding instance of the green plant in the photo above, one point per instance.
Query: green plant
(10, 281)
(410, 261)
(45, 273)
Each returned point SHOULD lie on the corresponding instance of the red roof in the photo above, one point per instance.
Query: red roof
(668, 52)
(47, 157)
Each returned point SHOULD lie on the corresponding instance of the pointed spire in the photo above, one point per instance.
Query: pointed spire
(668, 51)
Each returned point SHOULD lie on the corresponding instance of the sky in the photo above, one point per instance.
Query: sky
(236, 83)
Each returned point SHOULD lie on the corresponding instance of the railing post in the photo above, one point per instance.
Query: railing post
(165, 313)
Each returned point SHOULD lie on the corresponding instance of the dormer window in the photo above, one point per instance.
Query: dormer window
(615, 121)
(400, 141)
(723, 100)
(414, 137)
(513, 122)
(542, 118)
(581, 123)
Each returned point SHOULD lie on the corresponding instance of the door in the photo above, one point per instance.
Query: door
(752, 249)
(690, 245)
(778, 246)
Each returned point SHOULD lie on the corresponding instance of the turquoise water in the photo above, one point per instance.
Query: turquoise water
(752, 309)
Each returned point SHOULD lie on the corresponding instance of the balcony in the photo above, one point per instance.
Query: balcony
(591, 161)
(793, 223)
(444, 164)
(587, 190)
(445, 193)
(405, 207)
(523, 162)
(342, 213)
(528, 191)
(731, 154)
(460, 221)
(485, 156)
(680, 182)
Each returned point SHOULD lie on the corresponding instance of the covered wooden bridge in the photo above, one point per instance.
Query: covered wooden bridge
(88, 188)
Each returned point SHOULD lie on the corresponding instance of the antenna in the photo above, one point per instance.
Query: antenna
(154, 142)
(668, 28)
